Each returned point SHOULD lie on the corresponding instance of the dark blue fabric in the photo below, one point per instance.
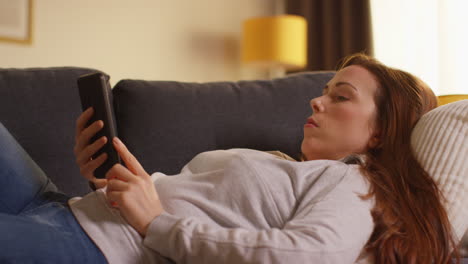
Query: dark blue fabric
(21, 180)
(36, 224)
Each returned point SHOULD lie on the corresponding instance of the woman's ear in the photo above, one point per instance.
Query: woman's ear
(374, 141)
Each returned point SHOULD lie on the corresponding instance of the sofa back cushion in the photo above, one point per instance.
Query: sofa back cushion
(165, 124)
(39, 107)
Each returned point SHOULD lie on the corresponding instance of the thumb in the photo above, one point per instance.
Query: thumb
(130, 161)
(99, 183)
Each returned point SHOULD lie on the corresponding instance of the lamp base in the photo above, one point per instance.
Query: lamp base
(276, 72)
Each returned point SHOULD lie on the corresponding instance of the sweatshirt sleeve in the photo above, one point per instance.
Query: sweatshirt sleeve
(333, 230)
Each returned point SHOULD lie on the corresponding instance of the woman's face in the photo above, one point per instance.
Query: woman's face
(343, 118)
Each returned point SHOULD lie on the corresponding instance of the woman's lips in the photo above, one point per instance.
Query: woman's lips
(311, 123)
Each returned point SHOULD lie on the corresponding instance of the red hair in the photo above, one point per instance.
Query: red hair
(412, 225)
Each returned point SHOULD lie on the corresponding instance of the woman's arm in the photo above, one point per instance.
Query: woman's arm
(131, 190)
(333, 230)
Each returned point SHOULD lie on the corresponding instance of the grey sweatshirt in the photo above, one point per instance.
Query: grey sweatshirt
(242, 206)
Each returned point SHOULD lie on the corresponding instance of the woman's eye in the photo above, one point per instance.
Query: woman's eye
(341, 98)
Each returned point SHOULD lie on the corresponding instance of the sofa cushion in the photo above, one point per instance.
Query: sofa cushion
(39, 107)
(440, 142)
(165, 124)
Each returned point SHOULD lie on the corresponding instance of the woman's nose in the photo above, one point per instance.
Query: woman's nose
(316, 105)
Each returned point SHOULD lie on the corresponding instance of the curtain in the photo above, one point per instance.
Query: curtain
(336, 28)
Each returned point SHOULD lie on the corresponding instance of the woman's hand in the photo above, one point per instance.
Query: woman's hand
(132, 191)
(84, 150)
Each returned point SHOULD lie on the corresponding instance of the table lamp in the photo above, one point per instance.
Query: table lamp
(277, 43)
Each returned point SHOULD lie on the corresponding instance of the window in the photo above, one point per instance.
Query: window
(426, 38)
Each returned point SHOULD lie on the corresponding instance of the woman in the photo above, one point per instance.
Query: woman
(359, 194)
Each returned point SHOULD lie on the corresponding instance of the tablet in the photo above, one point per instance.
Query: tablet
(95, 91)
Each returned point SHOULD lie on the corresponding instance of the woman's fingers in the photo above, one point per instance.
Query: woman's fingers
(86, 154)
(99, 183)
(83, 120)
(134, 195)
(84, 149)
(121, 173)
(116, 185)
(87, 169)
(83, 138)
(130, 161)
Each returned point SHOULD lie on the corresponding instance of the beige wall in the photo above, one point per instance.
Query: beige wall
(184, 40)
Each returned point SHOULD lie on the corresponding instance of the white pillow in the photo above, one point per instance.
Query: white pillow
(440, 142)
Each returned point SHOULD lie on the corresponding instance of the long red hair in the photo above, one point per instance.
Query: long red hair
(412, 225)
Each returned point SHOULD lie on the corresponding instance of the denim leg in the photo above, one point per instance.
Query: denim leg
(46, 234)
(21, 179)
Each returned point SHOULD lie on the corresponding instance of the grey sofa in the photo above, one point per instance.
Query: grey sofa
(163, 123)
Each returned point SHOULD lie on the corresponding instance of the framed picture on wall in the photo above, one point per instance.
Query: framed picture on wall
(16, 21)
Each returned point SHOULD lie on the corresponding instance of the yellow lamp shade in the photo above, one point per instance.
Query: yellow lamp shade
(275, 41)
(445, 99)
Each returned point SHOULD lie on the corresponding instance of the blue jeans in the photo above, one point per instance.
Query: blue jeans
(36, 224)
